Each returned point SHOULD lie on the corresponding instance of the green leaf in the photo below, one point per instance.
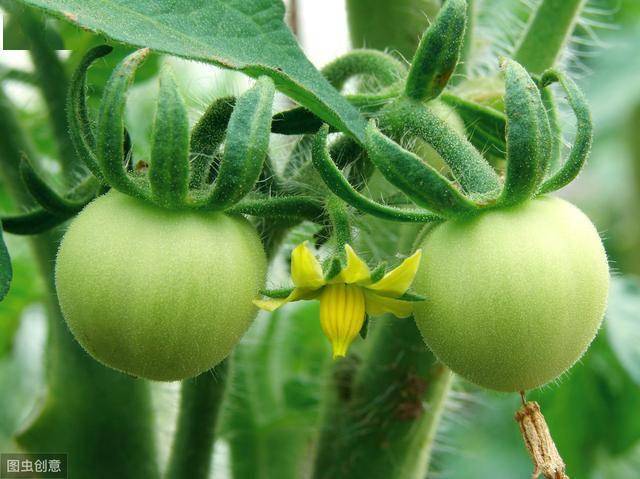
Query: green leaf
(246, 145)
(6, 273)
(438, 52)
(169, 169)
(623, 323)
(247, 36)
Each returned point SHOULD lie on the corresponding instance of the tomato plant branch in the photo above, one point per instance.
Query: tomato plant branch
(52, 81)
(547, 34)
(200, 400)
(391, 404)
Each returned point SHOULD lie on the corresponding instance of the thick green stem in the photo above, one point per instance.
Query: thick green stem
(12, 147)
(53, 83)
(382, 418)
(200, 401)
(547, 34)
(390, 25)
(464, 66)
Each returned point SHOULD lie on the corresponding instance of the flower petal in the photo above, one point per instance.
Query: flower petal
(342, 308)
(376, 305)
(356, 270)
(298, 294)
(306, 271)
(397, 281)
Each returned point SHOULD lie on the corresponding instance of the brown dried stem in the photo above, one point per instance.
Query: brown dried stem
(537, 439)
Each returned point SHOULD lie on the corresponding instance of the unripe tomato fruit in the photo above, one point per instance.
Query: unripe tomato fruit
(155, 293)
(513, 296)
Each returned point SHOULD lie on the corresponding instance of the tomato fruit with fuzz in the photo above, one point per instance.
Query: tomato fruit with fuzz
(514, 296)
(155, 293)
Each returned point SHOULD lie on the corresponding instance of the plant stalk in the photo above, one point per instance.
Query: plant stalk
(549, 29)
(390, 25)
(200, 400)
(52, 80)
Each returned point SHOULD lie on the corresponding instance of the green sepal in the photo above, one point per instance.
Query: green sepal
(169, 168)
(296, 121)
(378, 272)
(279, 293)
(340, 186)
(528, 136)
(364, 330)
(279, 207)
(334, 265)
(474, 174)
(383, 67)
(486, 126)
(555, 130)
(6, 272)
(110, 127)
(438, 52)
(80, 128)
(44, 194)
(584, 132)
(207, 136)
(33, 222)
(418, 180)
(411, 297)
(246, 146)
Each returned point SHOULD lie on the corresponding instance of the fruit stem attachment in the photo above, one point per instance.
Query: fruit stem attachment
(537, 439)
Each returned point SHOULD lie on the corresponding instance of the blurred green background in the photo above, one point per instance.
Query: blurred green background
(593, 411)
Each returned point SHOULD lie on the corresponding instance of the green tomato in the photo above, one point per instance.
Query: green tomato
(159, 294)
(514, 296)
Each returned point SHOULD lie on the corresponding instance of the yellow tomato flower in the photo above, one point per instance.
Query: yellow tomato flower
(346, 298)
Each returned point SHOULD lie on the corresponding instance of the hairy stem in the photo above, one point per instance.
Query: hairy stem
(547, 34)
(200, 400)
(382, 417)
